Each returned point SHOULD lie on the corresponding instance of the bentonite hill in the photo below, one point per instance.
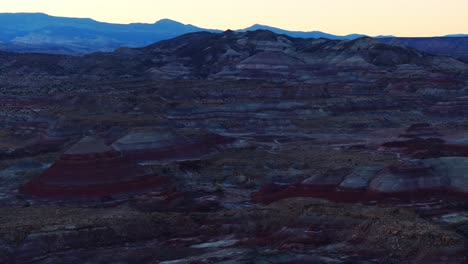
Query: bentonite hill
(235, 147)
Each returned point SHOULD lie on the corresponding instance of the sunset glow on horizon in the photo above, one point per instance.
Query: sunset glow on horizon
(341, 17)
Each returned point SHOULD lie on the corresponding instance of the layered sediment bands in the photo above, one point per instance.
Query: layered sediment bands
(426, 148)
(29, 139)
(453, 168)
(168, 145)
(245, 116)
(457, 106)
(242, 110)
(408, 178)
(423, 140)
(32, 102)
(405, 182)
(15, 176)
(359, 178)
(36, 148)
(363, 104)
(421, 130)
(91, 169)
(242, 55)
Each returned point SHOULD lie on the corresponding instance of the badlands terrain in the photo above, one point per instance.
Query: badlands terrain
(235, 147)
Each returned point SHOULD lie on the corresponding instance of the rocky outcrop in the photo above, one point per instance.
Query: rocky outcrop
(332, 179)
(422, 140)
(402, 182)
(453, 168)
(91, 169)
(408, 178)
(17, 175)
(167, 145)
(360, 178)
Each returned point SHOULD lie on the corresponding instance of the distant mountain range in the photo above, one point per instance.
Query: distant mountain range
(41, 33)
(36, 32)
(457, 36)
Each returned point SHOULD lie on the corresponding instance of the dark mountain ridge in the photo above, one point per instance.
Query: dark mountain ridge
(259, 54)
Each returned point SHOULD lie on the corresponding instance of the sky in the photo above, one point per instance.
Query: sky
(341, 17)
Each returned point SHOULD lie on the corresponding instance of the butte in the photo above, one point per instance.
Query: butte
(91, 169)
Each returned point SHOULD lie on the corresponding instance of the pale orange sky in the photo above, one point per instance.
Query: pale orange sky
(371, 17)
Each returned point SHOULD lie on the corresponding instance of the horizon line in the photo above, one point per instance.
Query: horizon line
(239, 29)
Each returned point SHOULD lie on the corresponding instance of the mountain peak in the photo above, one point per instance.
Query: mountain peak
(229, 32)
(259, 25)
(262, 34)
(362, 43)
(167, 21)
